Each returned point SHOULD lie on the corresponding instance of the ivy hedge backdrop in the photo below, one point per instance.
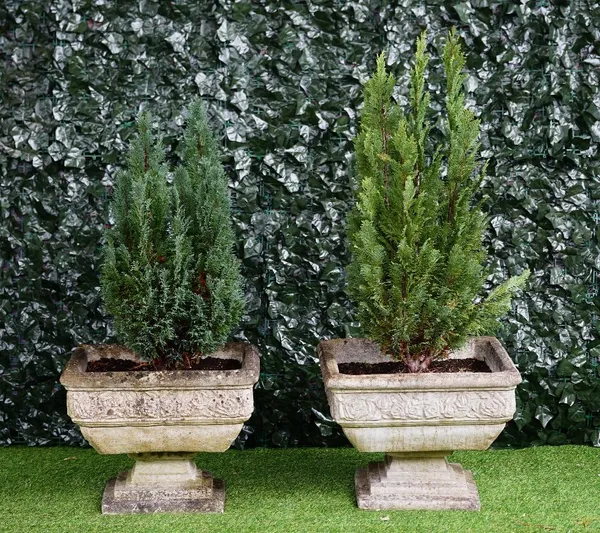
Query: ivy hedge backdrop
(282, 80)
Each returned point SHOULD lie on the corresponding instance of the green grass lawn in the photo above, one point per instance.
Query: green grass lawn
(304, 490)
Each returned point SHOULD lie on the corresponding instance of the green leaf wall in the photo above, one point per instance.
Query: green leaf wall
(282, 80)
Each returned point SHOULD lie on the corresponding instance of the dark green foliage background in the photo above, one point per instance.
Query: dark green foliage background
(283, 85)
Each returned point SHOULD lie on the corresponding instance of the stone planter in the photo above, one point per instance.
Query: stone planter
(161, 419)
(417, 420)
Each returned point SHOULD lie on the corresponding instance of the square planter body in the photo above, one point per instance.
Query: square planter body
(162, 411)
(420, 416)
(161, 418)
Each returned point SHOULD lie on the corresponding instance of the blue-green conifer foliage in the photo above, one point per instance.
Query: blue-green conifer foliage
(170, 277)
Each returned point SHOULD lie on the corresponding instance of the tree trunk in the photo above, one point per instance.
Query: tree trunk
(419, 363)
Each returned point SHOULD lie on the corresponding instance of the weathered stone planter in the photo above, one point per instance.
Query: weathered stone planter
(161, 419)
(417, 420)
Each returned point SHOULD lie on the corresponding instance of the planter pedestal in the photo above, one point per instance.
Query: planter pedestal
(161, 419)
(417, 420)
(163, 483)
(417, 480)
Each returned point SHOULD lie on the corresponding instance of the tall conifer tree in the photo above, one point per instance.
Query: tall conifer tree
(416, 234)
(170, 277)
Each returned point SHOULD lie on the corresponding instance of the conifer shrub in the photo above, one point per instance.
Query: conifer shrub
(417, 271)
(170, 277)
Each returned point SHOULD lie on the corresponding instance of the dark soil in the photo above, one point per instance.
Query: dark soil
(125, 365)
(396, 367)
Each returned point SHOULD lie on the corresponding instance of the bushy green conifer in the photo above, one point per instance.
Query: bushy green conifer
(170, 277)
(417, 269)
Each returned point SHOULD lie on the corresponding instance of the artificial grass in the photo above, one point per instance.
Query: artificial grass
(304, 490)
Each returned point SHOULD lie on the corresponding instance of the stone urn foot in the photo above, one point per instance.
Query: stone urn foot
(419, 480)
(163, 483)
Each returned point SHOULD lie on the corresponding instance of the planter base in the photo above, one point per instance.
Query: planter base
(163, 483)
(406, 481)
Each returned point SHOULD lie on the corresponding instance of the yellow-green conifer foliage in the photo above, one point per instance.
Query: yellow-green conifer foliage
(417, 271)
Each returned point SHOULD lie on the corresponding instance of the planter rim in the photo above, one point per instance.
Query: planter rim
(75, 377)
(504, 375)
